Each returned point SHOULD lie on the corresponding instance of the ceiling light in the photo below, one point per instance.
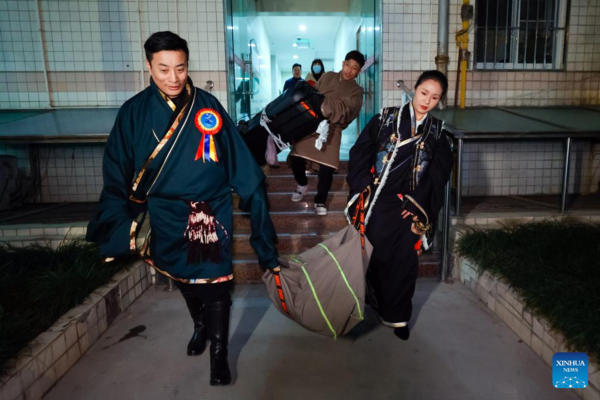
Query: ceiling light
(370, 29)
(377, 28)
(295, 57)
(295, 45)
(230, 28)
(302, 28)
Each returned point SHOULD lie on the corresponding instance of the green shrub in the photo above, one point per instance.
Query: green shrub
(554, 266)
(39, 284)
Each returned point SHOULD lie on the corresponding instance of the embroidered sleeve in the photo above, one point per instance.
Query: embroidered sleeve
(361, 154)
(113, 225)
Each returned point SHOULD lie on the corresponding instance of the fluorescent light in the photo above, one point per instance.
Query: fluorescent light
(377, 28)
(302, 28)
(295, 45)
(370, 29)
(230, 28)
(295, 57)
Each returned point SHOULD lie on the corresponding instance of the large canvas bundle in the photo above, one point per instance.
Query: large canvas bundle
(323, 289)
(290, 117)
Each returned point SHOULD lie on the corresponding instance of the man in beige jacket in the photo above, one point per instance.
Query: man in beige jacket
(343, 101)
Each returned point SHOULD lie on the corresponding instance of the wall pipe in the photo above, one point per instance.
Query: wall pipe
(442, 59)
(462, 40)
(44, 51)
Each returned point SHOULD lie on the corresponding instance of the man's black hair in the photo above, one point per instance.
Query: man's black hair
(356, 56)
(296, 65)
(434, 75)
(165, 41)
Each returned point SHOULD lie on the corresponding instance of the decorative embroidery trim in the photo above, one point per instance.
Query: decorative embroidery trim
(419, 207)
(390, 162)
(195, 281)
(172, 147)
(162, 143)
(132, 232)
(394, 324)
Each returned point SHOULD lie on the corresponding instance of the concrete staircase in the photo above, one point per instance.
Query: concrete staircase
(298, 227)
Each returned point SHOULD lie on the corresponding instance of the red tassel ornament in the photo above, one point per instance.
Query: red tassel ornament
(201, 232)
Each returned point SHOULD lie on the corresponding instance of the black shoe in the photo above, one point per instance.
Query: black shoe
(197, 343)
(403, 333)
(217, 315)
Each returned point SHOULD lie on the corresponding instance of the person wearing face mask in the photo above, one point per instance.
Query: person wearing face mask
(342, 103)
(316, 72)
(398, 169)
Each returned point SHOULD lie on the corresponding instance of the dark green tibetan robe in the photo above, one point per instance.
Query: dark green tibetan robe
(173, 179)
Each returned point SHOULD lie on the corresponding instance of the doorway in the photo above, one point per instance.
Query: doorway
(266, 37)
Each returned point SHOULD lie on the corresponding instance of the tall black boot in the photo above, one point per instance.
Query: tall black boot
(197, 343)
(218, 331)
(195, 306)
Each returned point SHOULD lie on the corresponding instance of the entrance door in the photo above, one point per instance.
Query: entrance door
(244, 55)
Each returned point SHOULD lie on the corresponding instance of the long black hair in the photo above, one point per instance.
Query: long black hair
(434, 75)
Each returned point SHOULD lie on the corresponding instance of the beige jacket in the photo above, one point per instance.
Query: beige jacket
(343, 101)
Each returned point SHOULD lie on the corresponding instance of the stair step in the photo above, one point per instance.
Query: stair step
(296, 221)
(247, 270)
(336, 201)
(287, 183)
(283, 169)
(292, 243)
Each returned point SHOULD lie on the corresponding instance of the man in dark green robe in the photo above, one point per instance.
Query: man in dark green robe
(171, 162)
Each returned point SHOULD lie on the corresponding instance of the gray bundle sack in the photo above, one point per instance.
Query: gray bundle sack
(323, 289)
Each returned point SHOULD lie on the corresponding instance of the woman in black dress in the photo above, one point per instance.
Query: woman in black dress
(400, 164)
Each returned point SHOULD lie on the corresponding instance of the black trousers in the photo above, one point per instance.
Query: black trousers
(325, 178)
(394, 265)
(197, 295)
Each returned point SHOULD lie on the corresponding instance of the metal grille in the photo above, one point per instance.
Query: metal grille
(520, 34)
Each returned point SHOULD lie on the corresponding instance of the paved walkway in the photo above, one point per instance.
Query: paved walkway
(458, 350)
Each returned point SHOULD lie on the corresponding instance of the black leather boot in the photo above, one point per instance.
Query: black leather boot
(217, 315)
(403, 333)
(197, 344)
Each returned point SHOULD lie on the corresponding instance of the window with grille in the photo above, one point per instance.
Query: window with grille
(520, 34)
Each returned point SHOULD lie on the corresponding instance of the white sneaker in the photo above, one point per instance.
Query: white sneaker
(299, 193)
(320, 209)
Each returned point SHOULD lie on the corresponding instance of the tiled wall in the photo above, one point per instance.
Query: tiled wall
(74, 173)
(94, 58)
(526, 168)
(495, 168)
(70, 173)
(91, 53)
(410, 41)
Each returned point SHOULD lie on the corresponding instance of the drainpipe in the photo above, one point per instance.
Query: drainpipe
(43, 49)
(141, 41)
(442, 59)
(462, 40)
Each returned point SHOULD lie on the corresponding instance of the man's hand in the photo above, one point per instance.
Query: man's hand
(277, 269)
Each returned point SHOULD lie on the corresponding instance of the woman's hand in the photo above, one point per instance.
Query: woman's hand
(413, 227)
(277, 269)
